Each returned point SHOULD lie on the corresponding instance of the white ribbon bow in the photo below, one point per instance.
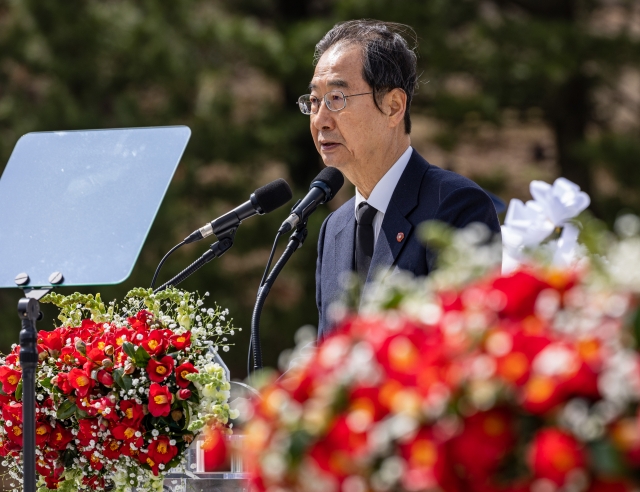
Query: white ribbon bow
(527, 225)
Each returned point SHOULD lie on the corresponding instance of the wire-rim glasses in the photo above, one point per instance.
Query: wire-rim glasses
(334, 100)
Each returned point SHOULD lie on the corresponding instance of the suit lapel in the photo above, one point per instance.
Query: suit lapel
(403, 200)
(345, 240)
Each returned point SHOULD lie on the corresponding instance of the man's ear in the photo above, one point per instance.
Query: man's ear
(395, 106)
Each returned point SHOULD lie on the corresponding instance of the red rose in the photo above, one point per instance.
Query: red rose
(59, 438)
(155, 343)
(520, 291)
(87, 431)
(14, 356)
(53, 478)
(159, 370)
(485, 439)
(53, 341)
(120, 336)
(127, 433)
(94, 460)
(181, 371)
(62, 382)
(43, 431)
(12, 411)
(145, 459)
(159, 400)
(161, 451)
(181, 341)
(340, 438)
(554, 454)
(142, 321)
(14, 432)
(81, 382)
(68, 356)
(105, 378)
(95, 352)
(183, 394)
(541, 394)
(133, 412)
(112, 449)
(428, 466)
(10, 379)
(106, 408)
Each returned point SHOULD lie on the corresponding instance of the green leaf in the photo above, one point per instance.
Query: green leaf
(127, 382)
(606, 458)
(66, 410)
(46, 383)
(19, 391)
(142, 357)
(129, 349)
(187, 416)
(67, 457)
(195, 397)
(118, 377)
(81, 414)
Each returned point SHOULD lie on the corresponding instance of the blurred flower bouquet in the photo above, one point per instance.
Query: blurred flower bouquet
(120, 392)
(470, 380)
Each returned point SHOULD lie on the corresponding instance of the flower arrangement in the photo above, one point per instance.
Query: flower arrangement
(120, 392)
(469, 380)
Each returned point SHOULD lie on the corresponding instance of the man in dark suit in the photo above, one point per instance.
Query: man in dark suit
(361, 93)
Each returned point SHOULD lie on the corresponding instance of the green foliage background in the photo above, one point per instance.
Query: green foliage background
(232, 69)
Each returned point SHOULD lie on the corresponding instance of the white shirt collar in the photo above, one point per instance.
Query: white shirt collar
(381, 193)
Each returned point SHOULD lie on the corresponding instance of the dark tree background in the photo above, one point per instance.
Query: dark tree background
(232, 69)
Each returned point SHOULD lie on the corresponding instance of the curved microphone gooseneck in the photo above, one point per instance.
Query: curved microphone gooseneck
(322, 190)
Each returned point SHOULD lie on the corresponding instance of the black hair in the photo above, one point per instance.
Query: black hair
(388, 62)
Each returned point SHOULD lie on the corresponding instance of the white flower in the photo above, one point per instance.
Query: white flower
(560, 202)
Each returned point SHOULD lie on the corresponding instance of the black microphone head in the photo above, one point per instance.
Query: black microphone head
(331, 177)
(273, 195)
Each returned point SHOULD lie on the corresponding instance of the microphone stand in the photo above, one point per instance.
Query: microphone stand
(217, 249)
(29, 313)
(296, 241)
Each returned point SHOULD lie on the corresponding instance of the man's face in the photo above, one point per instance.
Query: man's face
(350, 138)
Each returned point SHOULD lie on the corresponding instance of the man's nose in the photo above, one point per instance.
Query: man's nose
(324, 119)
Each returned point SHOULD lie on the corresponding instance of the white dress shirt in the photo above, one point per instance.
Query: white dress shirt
(381, 193)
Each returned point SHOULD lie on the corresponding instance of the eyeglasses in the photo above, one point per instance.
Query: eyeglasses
(335, 101)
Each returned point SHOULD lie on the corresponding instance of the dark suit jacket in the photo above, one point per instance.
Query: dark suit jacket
(424, 192)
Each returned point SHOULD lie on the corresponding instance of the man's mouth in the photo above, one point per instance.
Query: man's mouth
(328, 145)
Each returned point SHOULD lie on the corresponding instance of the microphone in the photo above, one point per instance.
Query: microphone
(262, 201)
(322, 189)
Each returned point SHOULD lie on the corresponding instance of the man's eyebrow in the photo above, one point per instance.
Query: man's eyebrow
(332, 83)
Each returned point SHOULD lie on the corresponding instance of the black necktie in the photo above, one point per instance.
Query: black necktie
(364, 239)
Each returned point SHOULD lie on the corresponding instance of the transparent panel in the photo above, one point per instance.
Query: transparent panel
(82, 202)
